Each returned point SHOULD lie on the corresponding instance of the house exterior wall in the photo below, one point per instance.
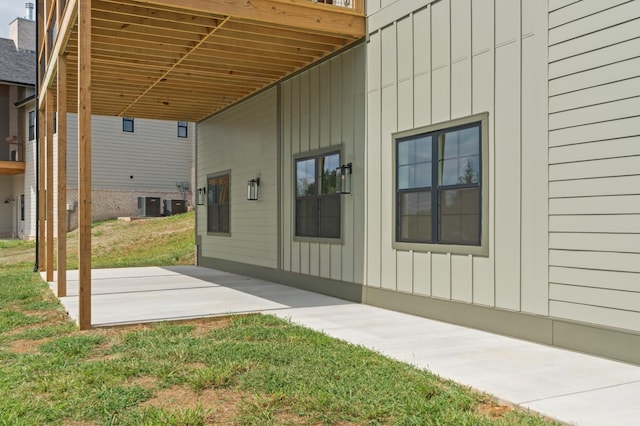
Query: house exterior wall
(323, 107)
(153, 155)
(594, 163)
(148, 162)
(434, 62)
(559, 85)
(243, 141)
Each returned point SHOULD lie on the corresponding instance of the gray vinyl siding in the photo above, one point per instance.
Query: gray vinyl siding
(153, 154)
(242, 140)
(594, 162)
(324, 107)
(431, 62)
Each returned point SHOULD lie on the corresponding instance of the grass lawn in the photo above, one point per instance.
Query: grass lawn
(243, 370)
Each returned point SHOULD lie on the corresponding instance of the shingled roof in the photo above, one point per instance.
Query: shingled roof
(16, 66)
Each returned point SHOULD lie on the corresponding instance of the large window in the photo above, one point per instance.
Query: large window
(318, 203)
(439, 184)
(218, 203)
(32, 125)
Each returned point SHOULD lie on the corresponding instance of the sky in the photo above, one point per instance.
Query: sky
(10, 10)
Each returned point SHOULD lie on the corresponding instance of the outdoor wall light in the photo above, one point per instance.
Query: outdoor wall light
(252, 189)
(202, 195)
(344, 178)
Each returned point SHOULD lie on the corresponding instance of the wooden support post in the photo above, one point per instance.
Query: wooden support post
(49, 184)
(42, 205)
(62, 176)
(84, 162)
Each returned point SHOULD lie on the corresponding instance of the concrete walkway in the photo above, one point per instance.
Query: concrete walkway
(570, 387)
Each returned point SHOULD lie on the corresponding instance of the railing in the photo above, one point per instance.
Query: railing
(358, 5)
(13, 152)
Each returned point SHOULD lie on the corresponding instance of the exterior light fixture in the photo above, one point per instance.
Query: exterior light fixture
(344, 178)
(252, 189)
(202, 195)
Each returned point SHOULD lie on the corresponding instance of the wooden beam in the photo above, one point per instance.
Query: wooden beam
(49, 183)
(290, 14)
(65, 28)
(62, 176)
(42, 190)
(84, 163)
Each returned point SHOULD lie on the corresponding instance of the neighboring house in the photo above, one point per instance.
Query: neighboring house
(475, 162)
(136, 157)
(17, 82)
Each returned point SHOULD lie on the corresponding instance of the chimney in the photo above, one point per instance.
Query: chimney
(28, 12)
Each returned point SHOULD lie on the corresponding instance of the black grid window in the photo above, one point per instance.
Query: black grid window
(218, 203)
(438, 186)
(127, 124)
(183, 129)
(318, 204)
(32, 125)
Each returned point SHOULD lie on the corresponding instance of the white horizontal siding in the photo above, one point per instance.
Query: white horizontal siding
(594, 162)
(616, 243)
(152, 158)
(616, 280)
(610, 317)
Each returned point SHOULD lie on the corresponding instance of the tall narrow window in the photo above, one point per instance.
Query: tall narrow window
(218, 203)
(318, 205)
(183, 129)
(439, 185)
(127, 124)
(32, 125)
(22, 207)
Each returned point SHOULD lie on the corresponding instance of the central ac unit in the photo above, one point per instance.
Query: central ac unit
(148, 206)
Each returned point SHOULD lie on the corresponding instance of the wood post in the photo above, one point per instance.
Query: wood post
(62, 176)
(42, 205)
(84, 162)
(50, 108)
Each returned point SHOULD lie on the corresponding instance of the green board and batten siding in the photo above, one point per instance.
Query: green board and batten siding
(434, 62)
(594, 162)
(323, 107)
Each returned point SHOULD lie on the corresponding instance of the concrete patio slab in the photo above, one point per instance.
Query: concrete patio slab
(571, 387)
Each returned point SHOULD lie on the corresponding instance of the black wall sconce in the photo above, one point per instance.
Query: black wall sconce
(202, 195)
(253, 189)
(344, 178)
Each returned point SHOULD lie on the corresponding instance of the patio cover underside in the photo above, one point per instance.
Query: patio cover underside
(186, 60)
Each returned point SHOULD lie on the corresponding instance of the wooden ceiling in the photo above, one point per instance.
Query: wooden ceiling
(185, 60)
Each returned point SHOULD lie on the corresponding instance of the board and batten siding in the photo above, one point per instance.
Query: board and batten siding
(243, 140)
(594, 162)
(324, 107)
(430, 62)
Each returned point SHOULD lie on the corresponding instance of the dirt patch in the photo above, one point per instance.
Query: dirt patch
(205, 325)
(144, 381)
(26, 346)
(221, 404)
(493, 411)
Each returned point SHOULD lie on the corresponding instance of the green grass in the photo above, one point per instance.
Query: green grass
(243, 370)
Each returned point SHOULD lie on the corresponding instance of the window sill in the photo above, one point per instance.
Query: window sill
(218, 234)
(481, 250)
(319, 240)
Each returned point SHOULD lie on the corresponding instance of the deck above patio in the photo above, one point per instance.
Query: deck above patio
(185, 60)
